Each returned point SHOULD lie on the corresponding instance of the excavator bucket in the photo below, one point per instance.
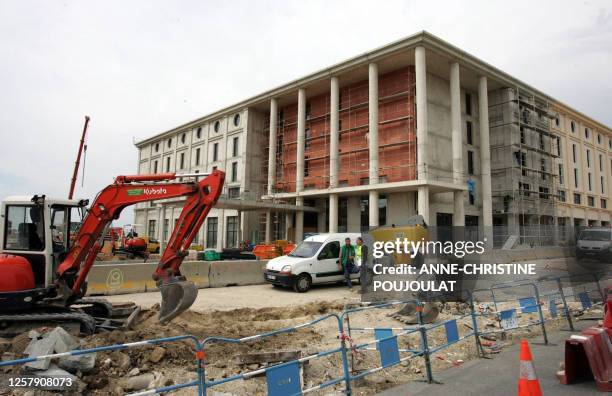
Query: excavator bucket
(178, 295)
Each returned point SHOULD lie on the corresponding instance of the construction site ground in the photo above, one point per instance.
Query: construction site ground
(236, 312)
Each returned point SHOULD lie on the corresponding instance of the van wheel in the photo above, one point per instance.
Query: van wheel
(302, 283)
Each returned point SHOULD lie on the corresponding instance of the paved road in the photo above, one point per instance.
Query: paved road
(255, 296)
(499, 375)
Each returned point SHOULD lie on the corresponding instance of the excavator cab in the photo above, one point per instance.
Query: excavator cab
(38, 230)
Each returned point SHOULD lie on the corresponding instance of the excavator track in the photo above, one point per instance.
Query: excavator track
(17, 323)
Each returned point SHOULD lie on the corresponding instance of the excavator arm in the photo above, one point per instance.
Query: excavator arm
(177, 293)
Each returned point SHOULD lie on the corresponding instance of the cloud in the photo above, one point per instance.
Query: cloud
(141, 67)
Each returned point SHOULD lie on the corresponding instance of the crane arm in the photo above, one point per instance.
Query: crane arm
(129, 190)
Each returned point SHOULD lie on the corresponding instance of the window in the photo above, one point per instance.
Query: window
(170, 142)
(577, 198)
(604, 203)
(470, 163)
(199, 133)
(573, 126)
(236, 119)
(521, 158)
(562, 196)
(558, 146)
(557, 121)
(166, 227)
(232, 231)
(306, 167)
(330, 251)
(217, 126)
(197, 156)
(214, 168)
(234, 171)
(307, 138)
(586, 133)
(589, 181)
(24, 228)
(233, 192)
(522, 135)
(235, 146)
(167, 164)
(524, 189)
(382, 210)
(470, 138)
(561, 181)
(598, 138)
(574, 152)
(575, 178)
(468, 104)
(591, 201)
(308, 110)
(156, 147)
(183, 138)
(471, 197)
(154, 166)
(211, 232)
(543, 168)
(215, 152)
(152, 230)
(588, 158)
(601, 183)
(601, 163)
(541, 142)
(544, 193)
(182, 161)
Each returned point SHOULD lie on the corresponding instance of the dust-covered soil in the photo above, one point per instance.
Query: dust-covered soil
(175, 362)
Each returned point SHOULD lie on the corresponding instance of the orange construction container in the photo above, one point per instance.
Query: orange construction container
(288, 248)
(266, 251)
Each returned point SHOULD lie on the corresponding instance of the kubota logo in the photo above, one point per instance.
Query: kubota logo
(154, 191)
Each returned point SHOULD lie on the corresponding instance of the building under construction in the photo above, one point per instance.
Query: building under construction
(416, 126)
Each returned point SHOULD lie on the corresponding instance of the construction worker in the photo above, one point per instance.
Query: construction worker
(361, 260)
(347, 260)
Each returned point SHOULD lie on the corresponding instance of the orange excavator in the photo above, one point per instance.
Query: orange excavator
(43, 267)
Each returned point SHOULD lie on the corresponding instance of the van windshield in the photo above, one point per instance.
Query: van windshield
(595, 235)
(306, 249)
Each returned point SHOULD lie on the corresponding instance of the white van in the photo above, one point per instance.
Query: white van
(314, 261)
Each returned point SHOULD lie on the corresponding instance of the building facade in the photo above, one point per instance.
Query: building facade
(417, 126)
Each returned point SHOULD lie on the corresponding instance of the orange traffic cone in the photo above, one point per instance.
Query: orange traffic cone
(528, 384)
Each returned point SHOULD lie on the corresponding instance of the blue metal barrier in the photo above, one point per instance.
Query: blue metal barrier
(77, 352)
(284, 379)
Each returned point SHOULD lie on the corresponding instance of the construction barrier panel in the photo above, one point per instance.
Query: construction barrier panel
(236, 273)
(123, 278)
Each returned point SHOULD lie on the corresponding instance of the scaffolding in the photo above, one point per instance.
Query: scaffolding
(523, 153)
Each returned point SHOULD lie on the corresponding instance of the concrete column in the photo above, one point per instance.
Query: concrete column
(485, 159)
(299, 177)
(321, 216)
(299, 221)
(373, 142)
(421, 109)
(353, 214)
(301, 136)
(268, 236)
(333, 212)
(272, 144)
(422, 129)
(423, 203)
(334, 133)
(457, 145)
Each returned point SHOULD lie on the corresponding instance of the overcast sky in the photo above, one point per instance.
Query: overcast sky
(142, 67)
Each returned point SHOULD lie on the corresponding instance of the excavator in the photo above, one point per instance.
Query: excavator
(44, 262)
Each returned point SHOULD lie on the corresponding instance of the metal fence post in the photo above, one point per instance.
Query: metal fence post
(345, 365)
(424, 344)
(479, 348)
(565, 307)
(539, 303)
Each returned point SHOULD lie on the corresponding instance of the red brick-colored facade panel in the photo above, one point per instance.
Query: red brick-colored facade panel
(396, 135)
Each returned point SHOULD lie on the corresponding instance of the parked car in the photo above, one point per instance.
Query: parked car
(595, 243)
(315, 260)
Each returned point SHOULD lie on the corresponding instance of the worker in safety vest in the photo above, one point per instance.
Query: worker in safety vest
(347, 260)
(361, 261)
